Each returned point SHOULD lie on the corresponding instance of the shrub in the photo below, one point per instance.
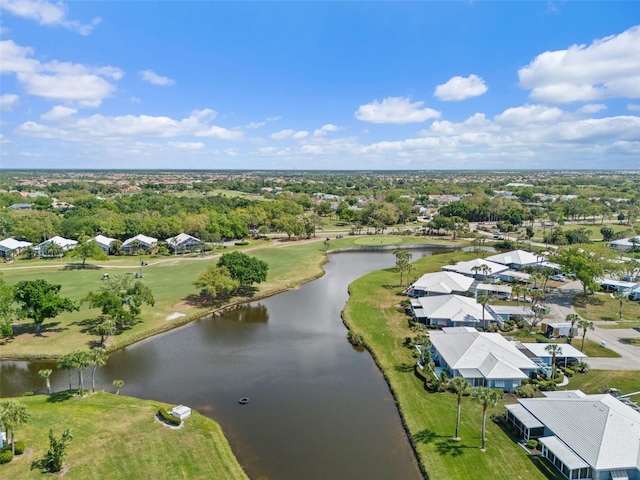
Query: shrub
(547, 385)
(28, 394)
(5, 456)
(168, 418)
(542, 340)
(525, 391)
(355, 339)
(19, 447)
(567, 371)
(241, 244)
(583, 367)
(532, 444)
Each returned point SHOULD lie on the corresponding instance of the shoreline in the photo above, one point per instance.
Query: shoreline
(182, 321)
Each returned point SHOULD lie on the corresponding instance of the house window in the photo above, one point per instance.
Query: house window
(499, 384)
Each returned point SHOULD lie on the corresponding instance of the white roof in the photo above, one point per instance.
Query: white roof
(515, 274)
(518, 257)
(60, 241)
(13, 244)
(443, 282)
(510, 310)
(489, 353)
(563, 452)
(538, 349)
(524, 416)
(625, 242)
(592, 427)
(102, 240)
(466, 268)
(453, 307)
(178, 239)
(490, 287)
(617, 283)
(143, 239)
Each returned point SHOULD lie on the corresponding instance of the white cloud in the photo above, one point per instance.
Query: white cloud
(8, 101)
(300, 134)
(231, 152)
(75, 128)
(186, 145)
(135, 100)
(254, 125)
(47, 13)
(282, 134)
(83, 84)
(461, 88)
(155, 79)
(592, 108)
(608, 68)
(3, 140)
(528, 114)
(633, 107)
(398, 110)
(322, 131)
(58, 113)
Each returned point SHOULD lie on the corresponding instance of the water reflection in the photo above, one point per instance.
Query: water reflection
(248, 313)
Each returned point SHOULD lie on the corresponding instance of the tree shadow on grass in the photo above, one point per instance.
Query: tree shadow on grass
(404, 368)
(78, 266)
(591, 300)
(59, 397)
(426, 436)
(51, 327)
(450, 447)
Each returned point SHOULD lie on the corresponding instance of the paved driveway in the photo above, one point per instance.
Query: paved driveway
(560, 302)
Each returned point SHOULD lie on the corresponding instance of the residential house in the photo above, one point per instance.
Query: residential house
(484, 359)
(440, 283)
(583, 436)
(502, 292)
(139, 242)
(537, 352)
(611, 285)
(64, 243)
(622, 245)
(21, 206)
(10, 247)
(184, 243)
(517, 259)
(104, 243)
(450, 311)
(506, 313)
(478, 268)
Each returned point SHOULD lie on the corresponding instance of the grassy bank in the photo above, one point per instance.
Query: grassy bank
(430, 417)
(117, 437)
(604, 307)
(291, 263)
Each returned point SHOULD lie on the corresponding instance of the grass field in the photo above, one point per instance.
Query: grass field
(117, 437)
(430, 417)
(603, 307)
(627, 381)
(291, 263)
(596, 236)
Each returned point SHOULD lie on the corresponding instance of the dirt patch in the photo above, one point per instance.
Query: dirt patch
(179, 307)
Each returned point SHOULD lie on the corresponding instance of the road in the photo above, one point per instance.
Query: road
(560, 302)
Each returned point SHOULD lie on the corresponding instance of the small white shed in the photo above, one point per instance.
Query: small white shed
(181, 412)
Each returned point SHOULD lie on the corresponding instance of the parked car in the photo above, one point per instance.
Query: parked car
(557, 278)
(521, 298)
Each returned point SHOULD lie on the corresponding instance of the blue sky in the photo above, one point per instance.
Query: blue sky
(320, 85)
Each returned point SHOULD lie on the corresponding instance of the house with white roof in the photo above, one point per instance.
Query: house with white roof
(139, 242)
(516, 259)
(584, 436)
(64, 243)
(484, 359)
(184, 243)
(440, 283)
(477, 268)
(10, 247)
(104, 242)
(538, 351)
(625, 244)
(450, 311)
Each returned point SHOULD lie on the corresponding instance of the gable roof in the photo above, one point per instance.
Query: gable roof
(466, 268)
(60, 241)
(490, 353)
(518, 257)
(143, 239)
(593, 427)
(443, 282)
(453, 307)
(181, 238)
(102, 240)
(12, 244)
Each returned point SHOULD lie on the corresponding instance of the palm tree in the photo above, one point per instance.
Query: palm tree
(484, 301)
(81, 361)
(460, 386)
(118, 384)
(66, 362)
(12, 415)
(486, 270)
(46, 373)
(573, 318)
(622, 298)
(487, 397)
(476, 269)
(585, 325)
(554, 349)
(98, 358)
(518, 290)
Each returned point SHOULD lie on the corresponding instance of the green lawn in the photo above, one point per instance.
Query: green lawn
(116, 437)
(430, 417)
(627, 381)
(591, 348)
(603, 307)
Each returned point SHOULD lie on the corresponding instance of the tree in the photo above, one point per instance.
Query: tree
(88, 249)
(487, 397)
(105, 327)
(216, 280)
(46, 373)
(245, 269)
(40, 300)
(607, 234)
(67, 362)
(460, 386)
(118, 384)
(622, 298)
(587, 263)
(554, 349)
(6, 308)
(12, 415)
(484, 301)
(571, 318)
(97, 358)
(121, 299)
(402, 262)
(78, 360)
(585, 325)
(57, 451)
